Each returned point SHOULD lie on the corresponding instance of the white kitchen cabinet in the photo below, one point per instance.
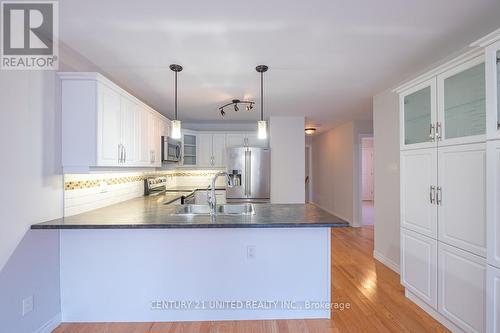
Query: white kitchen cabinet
(418, 191)
(211, 149)
(493, 91)
(419, 265)
(190, 145)
(245, 140)
(104, 126)
(462, 103)
(493, 202)
(493, 300)
(461, 197)
(418, 116)
(462, 288)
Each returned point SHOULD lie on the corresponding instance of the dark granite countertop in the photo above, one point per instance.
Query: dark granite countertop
(151, 212)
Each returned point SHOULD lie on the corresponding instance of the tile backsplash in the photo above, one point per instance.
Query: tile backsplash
(85, 192)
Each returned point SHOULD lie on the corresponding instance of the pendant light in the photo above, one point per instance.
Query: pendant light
(261, 124)
(176, 123)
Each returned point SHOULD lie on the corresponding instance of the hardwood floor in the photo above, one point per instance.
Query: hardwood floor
(372, 291)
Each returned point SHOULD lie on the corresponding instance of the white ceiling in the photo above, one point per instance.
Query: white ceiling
(326, 57)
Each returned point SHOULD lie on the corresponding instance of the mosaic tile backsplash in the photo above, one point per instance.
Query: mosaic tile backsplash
(87, 192)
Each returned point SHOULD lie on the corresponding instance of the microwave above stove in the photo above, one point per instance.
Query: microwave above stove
(171, 150)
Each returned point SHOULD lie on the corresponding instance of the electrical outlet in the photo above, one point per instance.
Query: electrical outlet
(103, 187)
(251, 252)
(27, 305)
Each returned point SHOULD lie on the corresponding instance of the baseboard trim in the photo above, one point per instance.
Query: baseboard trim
(50, 325)
(333, 213)
(432, 312)
(387, 262)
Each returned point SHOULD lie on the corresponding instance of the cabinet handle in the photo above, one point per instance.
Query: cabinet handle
(432, 133)
(124, 154)
(438, 131)
(498, 125)
(119, 153)
(432, 194)
(439, 196)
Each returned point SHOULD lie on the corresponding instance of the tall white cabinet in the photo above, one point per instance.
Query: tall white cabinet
(443, 163)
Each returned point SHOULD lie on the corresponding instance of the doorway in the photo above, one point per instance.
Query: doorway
(367, 181)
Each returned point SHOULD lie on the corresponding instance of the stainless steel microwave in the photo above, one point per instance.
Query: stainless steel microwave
(171, 150)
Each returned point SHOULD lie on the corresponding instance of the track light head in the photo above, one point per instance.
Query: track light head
(236, 108)
(222, 112)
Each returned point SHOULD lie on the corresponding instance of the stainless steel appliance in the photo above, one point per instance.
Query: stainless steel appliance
(171, 150)
(254, 165)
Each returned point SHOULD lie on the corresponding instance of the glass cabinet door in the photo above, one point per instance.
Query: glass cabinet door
(497, 60)
(418, 116)
(462, 98)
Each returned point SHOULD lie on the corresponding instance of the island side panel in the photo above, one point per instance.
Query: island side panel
(121, 275)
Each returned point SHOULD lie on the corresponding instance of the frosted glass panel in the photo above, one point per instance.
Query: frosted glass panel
(189, 160)
(189, 150)
(189, 139)
(417, 116)
(498, 84)
(464, 103)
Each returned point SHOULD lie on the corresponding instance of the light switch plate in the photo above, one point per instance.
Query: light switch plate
(27, 305)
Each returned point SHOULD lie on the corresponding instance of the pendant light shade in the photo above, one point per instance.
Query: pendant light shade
(262, 129)
(262, 124)
(175, 133)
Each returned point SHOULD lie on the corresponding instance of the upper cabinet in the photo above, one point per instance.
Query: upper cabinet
(245, 140)
(493, 90)
(418, 118)
(212, 149)
(190, 143)
(104, 126)
(448, 109)
(462, 103)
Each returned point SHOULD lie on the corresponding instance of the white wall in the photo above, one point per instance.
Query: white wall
(386, 172)
(287, 143)
(336, 161)
(31, 192)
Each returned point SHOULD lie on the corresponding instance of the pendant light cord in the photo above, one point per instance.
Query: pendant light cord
(175, 95)
(261, 95)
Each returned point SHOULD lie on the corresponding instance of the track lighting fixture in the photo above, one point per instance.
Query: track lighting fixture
(235, 102)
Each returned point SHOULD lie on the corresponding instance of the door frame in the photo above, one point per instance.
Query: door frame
(358, 182)
(310, 187)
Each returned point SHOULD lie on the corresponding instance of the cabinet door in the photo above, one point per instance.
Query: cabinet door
(109, 152)
(235, 140)
(418, 177)
(145, 156)
(419, 265)
(158, 131)
(493, 91)
(493, 201)
(204, 150)
(130, 131)
(219, 150)
(493, 300)
(462, 198)
(462, 288)
(418, 116)
(254, 141)
(462, 103)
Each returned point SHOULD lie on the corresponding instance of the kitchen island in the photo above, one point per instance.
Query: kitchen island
(139, 261)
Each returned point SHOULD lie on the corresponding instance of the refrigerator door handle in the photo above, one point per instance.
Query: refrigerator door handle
(249, 172)
(246, 172)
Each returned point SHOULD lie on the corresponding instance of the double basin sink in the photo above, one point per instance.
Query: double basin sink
(236, 209)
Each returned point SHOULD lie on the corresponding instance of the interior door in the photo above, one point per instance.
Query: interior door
(367, 173)
(259, 175)
(462, 197)
(418, 191)
(109, 127)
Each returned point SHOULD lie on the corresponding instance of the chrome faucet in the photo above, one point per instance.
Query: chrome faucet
(211, 197)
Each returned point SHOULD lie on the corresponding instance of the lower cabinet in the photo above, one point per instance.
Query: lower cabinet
(419, 265)
(462, 288)
(493, 300)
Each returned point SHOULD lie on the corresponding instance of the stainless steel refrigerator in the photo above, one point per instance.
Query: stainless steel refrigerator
(254, 164)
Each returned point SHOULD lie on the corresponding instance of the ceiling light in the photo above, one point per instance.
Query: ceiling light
(310, 130)
(261, 124)
(176, 123)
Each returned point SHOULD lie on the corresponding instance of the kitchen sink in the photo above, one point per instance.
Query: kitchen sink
(240, 209)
